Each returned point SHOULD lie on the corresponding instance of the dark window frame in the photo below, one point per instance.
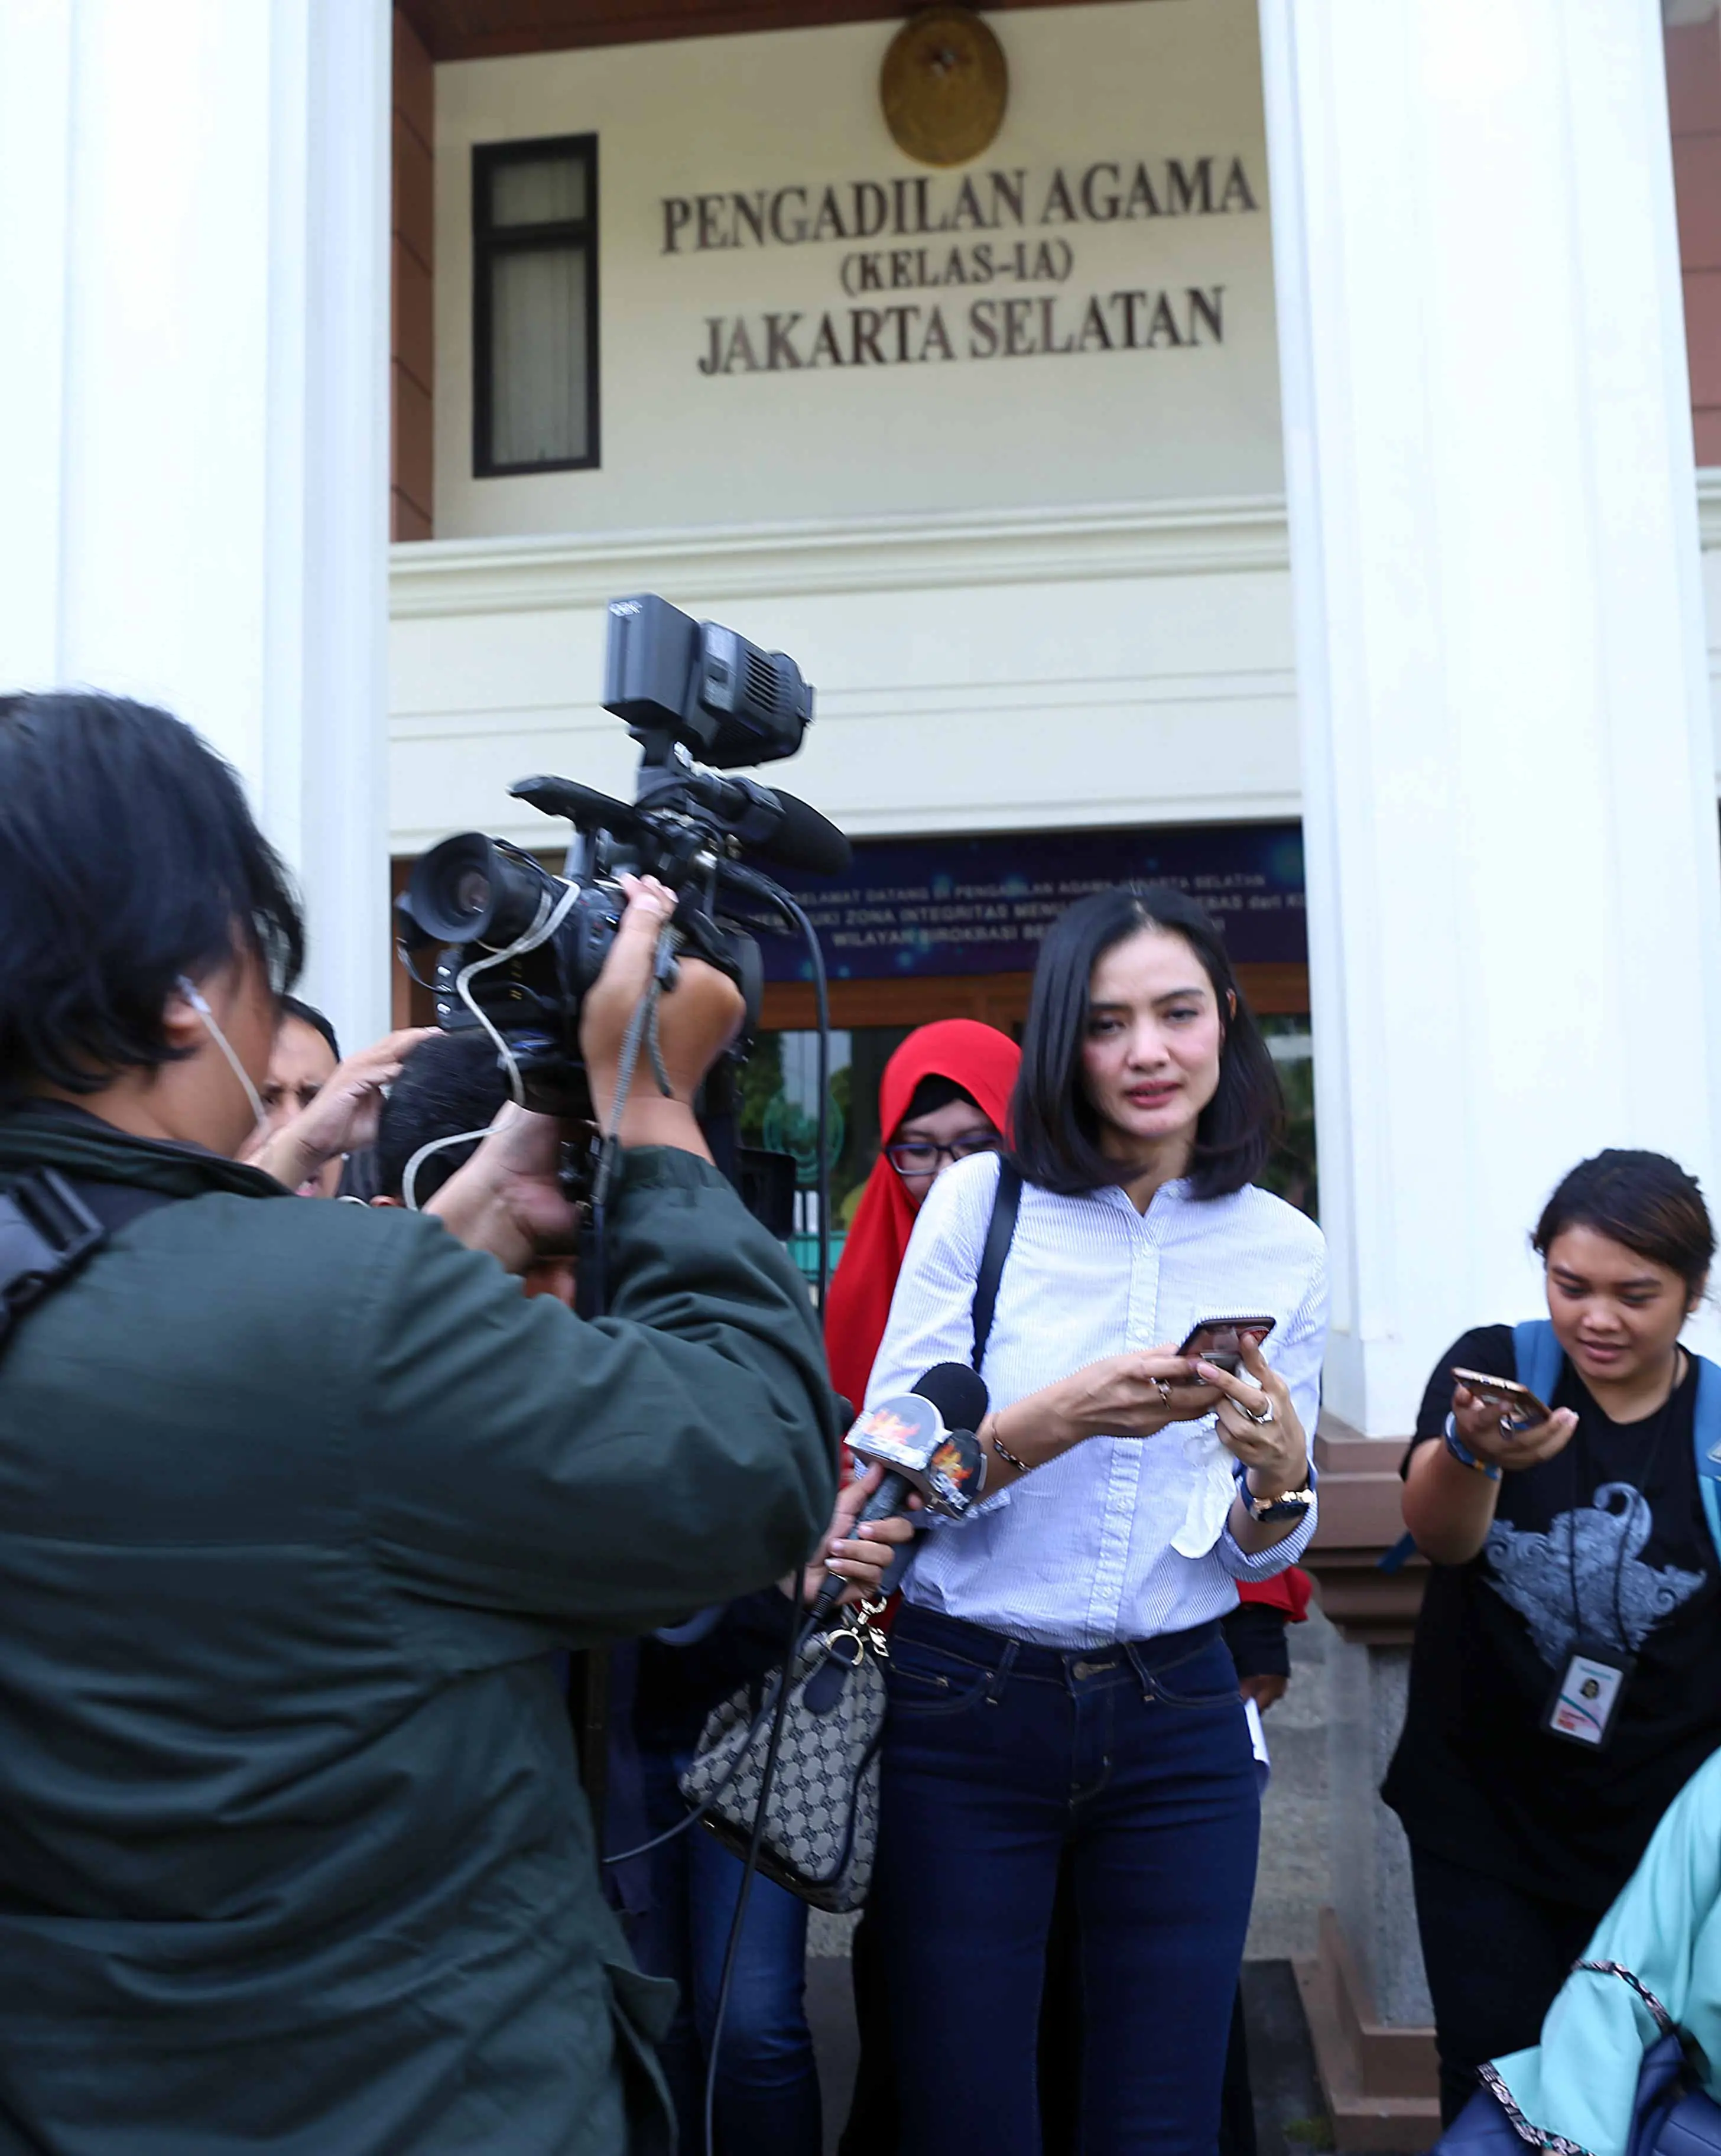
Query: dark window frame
(489, 243)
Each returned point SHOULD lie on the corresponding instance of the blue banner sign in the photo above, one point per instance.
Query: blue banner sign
(981, 905)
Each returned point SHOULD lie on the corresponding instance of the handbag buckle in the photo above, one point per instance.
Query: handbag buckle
(859, 1630)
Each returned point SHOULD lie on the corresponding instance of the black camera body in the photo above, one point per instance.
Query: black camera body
(521, 945)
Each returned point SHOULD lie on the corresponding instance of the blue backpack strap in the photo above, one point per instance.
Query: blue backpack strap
(1706, 1431)
(1538, 1353)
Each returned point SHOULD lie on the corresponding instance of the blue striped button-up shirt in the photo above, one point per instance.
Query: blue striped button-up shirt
(1121, 1538)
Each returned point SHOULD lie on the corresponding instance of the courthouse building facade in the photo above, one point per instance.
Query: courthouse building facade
(1278, 449)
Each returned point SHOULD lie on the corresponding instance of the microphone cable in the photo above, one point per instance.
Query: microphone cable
(749, 1871)
(821, 999)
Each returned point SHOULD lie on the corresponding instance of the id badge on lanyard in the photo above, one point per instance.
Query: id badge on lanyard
(1583, 1706)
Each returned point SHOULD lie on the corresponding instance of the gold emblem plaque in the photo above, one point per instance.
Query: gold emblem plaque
(944, 86)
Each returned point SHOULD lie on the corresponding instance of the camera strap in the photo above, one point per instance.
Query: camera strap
(594, 1289)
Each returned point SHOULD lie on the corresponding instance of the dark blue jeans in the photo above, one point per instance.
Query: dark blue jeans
(998, 1757)
(768, 2084)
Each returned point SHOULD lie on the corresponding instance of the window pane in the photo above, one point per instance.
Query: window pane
(539, 342)
(544, 192)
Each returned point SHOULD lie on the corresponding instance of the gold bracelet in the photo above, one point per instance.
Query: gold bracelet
(1003, 1450)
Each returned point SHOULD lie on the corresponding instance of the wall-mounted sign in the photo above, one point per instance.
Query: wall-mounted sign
(992, 260)
(982, 905)
(943, 86)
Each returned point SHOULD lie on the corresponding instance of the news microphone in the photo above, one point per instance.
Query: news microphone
(925, 1441)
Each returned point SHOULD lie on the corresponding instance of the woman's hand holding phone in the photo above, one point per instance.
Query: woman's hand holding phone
(1128, 1396)
(1478, 1423)
(1258, 1422)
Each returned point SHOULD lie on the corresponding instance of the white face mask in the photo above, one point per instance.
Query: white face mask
(194, 996)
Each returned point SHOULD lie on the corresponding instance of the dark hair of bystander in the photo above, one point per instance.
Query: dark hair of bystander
(1643, 1200)
(128, 858)
(309, 1014)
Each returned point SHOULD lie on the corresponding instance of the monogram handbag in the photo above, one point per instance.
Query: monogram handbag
(821, 1821)
(821, 1824)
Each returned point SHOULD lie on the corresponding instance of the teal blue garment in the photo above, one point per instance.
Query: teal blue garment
(1579, 2082)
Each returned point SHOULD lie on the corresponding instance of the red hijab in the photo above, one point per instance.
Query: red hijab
(983, 1061)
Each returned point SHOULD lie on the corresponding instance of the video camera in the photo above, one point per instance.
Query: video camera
(521, 945)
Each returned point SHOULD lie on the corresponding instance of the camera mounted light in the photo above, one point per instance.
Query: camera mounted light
(674, 679)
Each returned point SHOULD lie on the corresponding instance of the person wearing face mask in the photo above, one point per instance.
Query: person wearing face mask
(1059, 1683)
(1563, 1680)
(298, 1501)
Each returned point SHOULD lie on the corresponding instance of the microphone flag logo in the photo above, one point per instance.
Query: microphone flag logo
(903, 1432)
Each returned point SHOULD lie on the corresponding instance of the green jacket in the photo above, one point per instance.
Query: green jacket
(296, 1501)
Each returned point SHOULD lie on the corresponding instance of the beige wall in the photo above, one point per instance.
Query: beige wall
(1150, 80)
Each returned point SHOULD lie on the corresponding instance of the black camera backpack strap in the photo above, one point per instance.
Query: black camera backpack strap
(50, 1228)
(47, 1232)
(1000, 1232)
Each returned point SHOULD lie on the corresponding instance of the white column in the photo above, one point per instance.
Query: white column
(193, 415)
(1508, 767)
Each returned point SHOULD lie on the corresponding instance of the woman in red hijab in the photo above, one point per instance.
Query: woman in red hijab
(945, 1094)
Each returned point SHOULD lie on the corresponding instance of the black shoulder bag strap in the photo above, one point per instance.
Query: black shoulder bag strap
(49, 1231)
(1000, 1233)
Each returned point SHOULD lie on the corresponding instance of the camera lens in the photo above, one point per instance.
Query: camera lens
(473, 890)
(471, 893)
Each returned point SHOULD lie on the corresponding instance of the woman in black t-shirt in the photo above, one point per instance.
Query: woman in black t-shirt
(1571, 1557)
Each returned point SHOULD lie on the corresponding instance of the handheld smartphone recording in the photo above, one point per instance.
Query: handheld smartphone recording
(1518, 1406)
(1216, 1340)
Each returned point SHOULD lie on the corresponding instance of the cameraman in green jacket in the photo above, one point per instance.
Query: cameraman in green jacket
(294, 1501)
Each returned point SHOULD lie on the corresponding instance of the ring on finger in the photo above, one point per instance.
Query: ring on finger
(1163, 1389)
(1260, 1418)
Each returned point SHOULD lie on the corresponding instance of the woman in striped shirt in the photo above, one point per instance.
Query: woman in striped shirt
(1058, 1678)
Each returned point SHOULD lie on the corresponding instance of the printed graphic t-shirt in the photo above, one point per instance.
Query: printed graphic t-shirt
(1606, 1541)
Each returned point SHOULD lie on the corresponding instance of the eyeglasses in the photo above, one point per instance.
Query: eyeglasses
(920, 1157)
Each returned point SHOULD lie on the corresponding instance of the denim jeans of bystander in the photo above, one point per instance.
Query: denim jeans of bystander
(768, 2082)
(1000, 1756)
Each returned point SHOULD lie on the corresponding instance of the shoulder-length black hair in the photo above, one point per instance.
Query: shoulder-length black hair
(127, 857)
(1057, 1127)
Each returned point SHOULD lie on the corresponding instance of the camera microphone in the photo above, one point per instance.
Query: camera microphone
(805, 840)
(925, 1441)
(778, 827)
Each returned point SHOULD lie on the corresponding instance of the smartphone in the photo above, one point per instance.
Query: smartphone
(1519, 1408)
(1215, 1340)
